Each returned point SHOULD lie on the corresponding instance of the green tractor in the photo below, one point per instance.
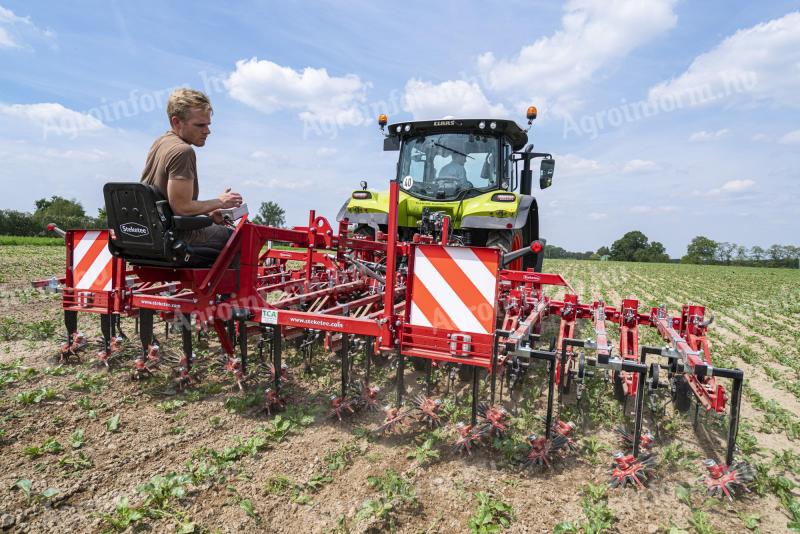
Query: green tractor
(467, 170)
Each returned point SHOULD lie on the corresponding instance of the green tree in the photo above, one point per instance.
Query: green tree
(270, 214)
(17, 223)
(64, 213)
(657, 253)
(757, 253)
(625, 248)
(603, 251)
(700, 250)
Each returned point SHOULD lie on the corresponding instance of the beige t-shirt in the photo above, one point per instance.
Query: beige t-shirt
(170, 158)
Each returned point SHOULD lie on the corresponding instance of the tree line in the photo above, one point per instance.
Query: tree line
(69, 214)
(635, 246)
(703, 250)
(63, 212)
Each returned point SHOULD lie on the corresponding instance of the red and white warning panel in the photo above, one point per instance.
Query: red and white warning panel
(91, 260)
(454, 288)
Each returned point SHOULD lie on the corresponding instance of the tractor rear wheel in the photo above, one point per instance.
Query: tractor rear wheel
(507, 241)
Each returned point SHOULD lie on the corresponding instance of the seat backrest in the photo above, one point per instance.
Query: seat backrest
(139, 219)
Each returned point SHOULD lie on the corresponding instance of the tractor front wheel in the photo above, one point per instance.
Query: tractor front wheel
(507, 241)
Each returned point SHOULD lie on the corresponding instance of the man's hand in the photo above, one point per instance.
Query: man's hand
(230, 199)
(216, 216)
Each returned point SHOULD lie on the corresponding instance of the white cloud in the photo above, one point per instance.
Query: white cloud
(275, 183)
(760, 137)
(570, 165)
(758, 64)
(457, 98)
(637, 166)
(316, 95)
(78, 155)
(791, 138)
(53, 118)
(594, 33)
(653, 209)
(737, 186)
(327, 151)
(596, 216)
(703, 135)
(14, 29)
(6, 41)
(729, 187)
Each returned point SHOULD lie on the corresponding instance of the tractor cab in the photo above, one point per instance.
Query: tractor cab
(456, 159)
(475, 172)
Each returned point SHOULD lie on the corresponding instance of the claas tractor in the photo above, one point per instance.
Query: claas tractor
(474, 172)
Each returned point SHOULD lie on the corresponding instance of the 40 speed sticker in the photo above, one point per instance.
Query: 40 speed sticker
(269, 316)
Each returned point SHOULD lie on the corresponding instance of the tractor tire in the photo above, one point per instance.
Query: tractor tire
(365, 231)
(507, 241)
(682, 395)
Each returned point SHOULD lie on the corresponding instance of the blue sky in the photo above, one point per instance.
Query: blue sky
(674, 118)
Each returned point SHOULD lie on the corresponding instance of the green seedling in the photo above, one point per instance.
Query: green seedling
(491, 514)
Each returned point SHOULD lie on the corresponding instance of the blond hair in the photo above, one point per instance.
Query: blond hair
(183, 99)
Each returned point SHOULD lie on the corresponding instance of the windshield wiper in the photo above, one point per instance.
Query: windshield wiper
(452, 150)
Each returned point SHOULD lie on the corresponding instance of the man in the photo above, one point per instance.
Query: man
(455, 169)
(171, 167)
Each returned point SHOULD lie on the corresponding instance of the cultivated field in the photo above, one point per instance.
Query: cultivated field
(86, 449)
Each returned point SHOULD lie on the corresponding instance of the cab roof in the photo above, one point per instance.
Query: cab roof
(516, 135)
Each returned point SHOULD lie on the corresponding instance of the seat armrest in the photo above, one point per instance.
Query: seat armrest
(191, 223)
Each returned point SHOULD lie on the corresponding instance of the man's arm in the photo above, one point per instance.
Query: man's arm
(180, 194)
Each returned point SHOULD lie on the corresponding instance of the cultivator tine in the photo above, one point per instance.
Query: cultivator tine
(637, 428)
(184, 378)
(401, 364)
(369, 349)
(566, 430)
(494, 420)
(273, 401)
(475, 392)
(723, 480)
(369, 396)
(428, 376)
(243, 345)
(630, 470)
(469, 437)
(394, 418)
(646, 440)
(105, 328)
(150, 348)
(76, 344)
(342, 405)
(344, 353)
(543, 450)
(429, 410)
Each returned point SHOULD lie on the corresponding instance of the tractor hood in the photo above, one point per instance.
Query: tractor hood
(482, 211)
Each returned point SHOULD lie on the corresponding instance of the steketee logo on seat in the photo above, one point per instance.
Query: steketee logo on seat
(134, 229)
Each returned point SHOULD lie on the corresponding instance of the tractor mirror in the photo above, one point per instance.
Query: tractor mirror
(546, 170)
(391, 143)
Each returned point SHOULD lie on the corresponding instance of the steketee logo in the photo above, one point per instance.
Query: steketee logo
(134, 229)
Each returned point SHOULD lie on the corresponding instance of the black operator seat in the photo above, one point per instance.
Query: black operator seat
(143, 230)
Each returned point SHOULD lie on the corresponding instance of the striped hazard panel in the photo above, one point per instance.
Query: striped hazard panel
(91, 260)
(454, 288)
